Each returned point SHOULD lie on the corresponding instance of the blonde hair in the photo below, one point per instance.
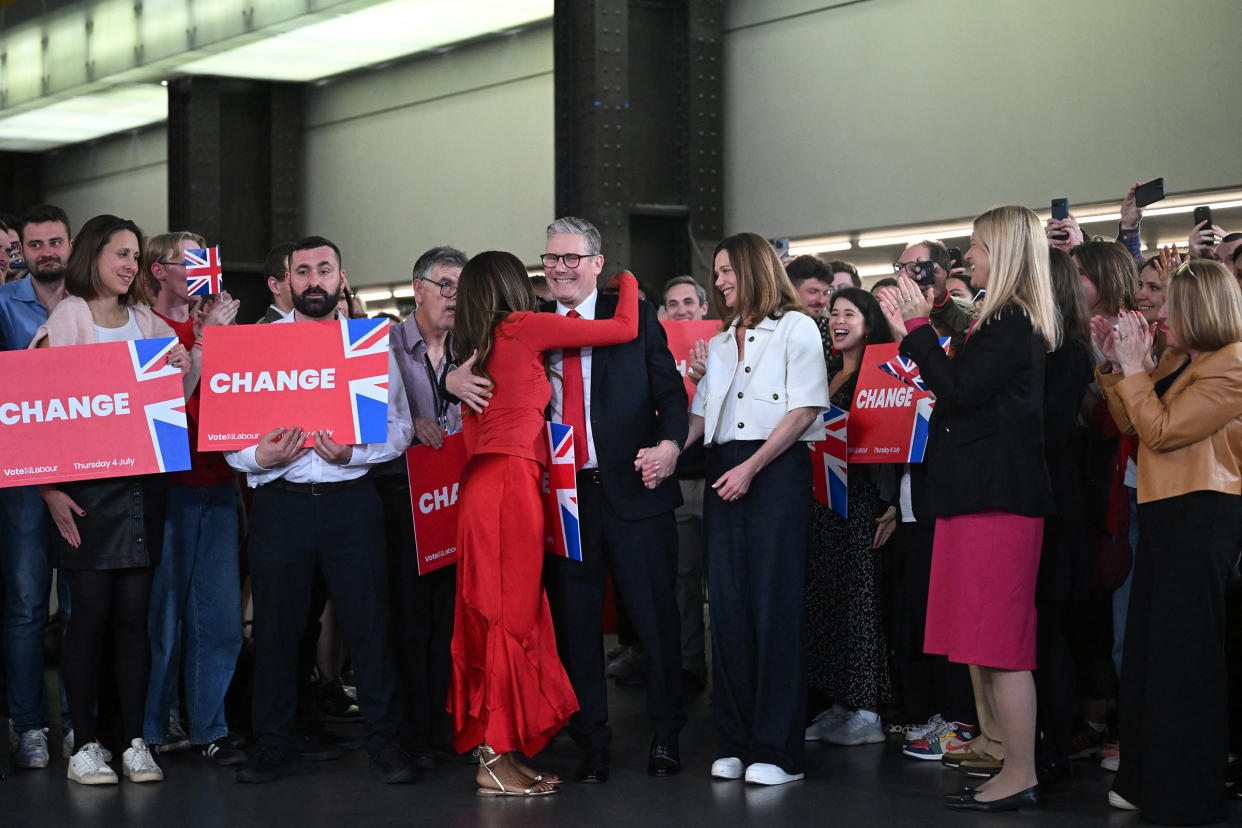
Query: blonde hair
(158, 247)
(1019, 271)
(762, 287)
(1204, 306)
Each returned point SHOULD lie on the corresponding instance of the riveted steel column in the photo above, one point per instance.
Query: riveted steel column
(234, 156)
(638, 141)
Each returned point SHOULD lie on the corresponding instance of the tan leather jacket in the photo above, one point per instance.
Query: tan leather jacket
(1191, 438)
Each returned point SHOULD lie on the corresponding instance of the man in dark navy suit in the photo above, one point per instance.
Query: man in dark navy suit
(627, 399)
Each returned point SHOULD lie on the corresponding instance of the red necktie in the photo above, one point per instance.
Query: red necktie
(573, 406)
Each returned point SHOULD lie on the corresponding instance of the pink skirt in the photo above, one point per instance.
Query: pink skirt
(981, 600)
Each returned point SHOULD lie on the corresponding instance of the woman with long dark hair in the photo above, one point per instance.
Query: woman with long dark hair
(1187, 420)
(509, 692)
(760, 399)
(110, 531)
(988, 483)
(847, 660)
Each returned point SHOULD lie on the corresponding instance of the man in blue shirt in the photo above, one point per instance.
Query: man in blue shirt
(24, 306)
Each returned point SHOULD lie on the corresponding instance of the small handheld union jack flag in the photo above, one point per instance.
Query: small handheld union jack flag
(204, 274)
(907, 370)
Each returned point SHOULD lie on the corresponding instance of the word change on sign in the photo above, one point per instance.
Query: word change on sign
(435, 477)
(682, 335)
(329, 376)
(204, 274)
(87, 411)
(891, 408)
(830, 463)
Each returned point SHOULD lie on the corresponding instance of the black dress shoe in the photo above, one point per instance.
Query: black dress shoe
(393, 766)
(594, 767)
(966, 801)
(265, 765)
(664, 759)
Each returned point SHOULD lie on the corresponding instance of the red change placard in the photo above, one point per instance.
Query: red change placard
(435, 475)
(890, 411)
(317, 375)
(87, 411)
(682, 334)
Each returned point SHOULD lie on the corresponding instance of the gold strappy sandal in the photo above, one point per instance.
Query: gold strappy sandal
(487, 758)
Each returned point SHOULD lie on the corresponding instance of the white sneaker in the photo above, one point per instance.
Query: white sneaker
(87, 767)
(66, 747)
(1111, 763)
(936, 724)
(761, 773)
(825, 723)
(1120, 802)
(32, 749)
(727, 768)
(857, 730)
(139, 765)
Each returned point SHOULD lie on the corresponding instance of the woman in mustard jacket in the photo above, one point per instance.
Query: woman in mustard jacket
(1188, 418)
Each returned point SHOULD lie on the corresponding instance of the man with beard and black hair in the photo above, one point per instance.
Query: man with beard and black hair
(316, 506)
(24, 306)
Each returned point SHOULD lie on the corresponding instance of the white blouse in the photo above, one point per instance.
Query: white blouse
(783, 369)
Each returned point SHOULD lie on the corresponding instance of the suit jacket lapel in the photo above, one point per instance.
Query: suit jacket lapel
(605, 308)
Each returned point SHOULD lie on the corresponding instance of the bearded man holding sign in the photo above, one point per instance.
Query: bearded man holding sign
(315, 506)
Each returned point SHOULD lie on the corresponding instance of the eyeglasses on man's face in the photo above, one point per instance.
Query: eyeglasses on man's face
(571, 260)
(909, 268)
(447, 289)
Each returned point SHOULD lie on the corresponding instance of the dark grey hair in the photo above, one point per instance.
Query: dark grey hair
(578, 227)
(442, 255)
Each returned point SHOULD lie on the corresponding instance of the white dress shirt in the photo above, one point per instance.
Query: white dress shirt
(557, 356)
(782, 370)
(311, 468)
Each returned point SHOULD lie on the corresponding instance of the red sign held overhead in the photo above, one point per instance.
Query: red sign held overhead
(682, 334)
(87, 411)
(317, 375)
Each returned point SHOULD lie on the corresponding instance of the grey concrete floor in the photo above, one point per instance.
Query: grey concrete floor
(863, 786)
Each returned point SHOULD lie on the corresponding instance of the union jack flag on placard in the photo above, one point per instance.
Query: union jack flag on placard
(830, 465)
(368, 396)
(560, 495)
(907, 370)
(204, 275)
(165, 418)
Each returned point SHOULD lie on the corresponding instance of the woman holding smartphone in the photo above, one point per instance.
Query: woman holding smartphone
(988, 482)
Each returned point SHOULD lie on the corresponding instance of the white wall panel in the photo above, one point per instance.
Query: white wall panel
(841, 116)
(453, 149)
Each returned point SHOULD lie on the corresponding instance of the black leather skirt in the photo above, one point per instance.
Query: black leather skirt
(123, 526)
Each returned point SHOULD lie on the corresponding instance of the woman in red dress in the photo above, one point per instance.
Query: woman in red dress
(509, 692)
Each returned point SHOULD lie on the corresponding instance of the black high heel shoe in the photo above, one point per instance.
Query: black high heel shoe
(966, 801)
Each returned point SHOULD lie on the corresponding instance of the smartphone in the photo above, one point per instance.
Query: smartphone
(955, 258)
(1149, 193)
(1060, 210)
(927, 274)
(1203, 214)
(781, 246)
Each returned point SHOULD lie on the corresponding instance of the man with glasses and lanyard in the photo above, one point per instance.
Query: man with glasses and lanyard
(422, 605)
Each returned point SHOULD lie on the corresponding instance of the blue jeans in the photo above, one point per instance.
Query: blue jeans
(27, 585)
(195, 611)
(1121, 596)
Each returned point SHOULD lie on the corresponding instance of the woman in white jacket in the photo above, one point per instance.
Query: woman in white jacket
(759, 402)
